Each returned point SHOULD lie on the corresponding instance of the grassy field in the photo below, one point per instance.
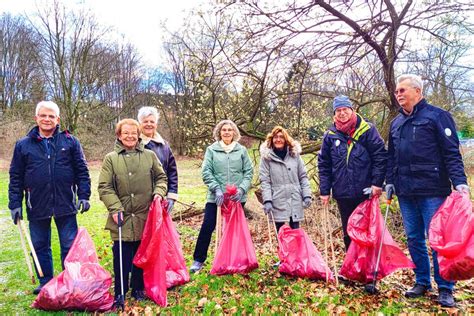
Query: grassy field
(263, 291)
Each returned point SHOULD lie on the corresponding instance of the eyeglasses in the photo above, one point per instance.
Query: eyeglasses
(401, 91)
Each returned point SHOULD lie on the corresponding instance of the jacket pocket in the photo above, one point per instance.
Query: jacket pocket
(425, 175)
(420, 129)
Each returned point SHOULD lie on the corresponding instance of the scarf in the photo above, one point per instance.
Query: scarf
(347, 127)
(281, 152)
(227, 148)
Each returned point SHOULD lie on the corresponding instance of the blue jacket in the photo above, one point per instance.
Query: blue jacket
(52, 173)
(347, 165)
(165, 156)
(424, 152)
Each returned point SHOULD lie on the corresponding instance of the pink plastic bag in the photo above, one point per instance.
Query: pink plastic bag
(451, 234)
(236, 253)
(299, 257)
(365, 229)
(160, 255)
(83, 285)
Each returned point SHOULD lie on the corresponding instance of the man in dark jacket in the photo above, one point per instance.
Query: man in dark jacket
(424, 162)
(48, 168)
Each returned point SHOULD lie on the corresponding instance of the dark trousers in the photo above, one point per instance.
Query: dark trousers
(346, 207)
(40, 232)
(129, 249)
(293, 225)
(205, 234)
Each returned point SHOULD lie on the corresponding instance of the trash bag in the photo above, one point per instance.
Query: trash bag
(451, 234)
(160, 254)
(235, 253)
(83, 285)
(299, 257)
(365, 229)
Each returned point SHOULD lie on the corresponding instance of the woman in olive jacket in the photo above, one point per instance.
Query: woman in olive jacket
(226, 162)
(130, 178)
(284, 182)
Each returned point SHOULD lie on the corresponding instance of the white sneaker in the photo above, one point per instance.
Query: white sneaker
(196, 267)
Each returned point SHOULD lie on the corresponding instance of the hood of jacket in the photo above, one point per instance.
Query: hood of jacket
(266, 152)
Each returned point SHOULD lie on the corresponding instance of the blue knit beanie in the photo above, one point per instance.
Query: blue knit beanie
(341, 101)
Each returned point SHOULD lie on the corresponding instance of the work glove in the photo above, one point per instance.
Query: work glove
(267, 207)
(307, 202)
(462, 188)
(390, 190)
(219, 197)
(170, 205)
(16, 214)
(324, 199)
(83, 206)
(237, 196)
(368, 191)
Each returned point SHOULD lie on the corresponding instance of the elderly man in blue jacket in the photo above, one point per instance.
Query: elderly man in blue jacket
(424, 163)
(49, 170)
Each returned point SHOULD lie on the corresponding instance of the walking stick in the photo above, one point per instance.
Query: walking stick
(25, 252)
(121, 299)
(218, 227)
(33, 252)
(332, 246)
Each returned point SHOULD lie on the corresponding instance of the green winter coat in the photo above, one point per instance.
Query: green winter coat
(128, 181)
(220, 169)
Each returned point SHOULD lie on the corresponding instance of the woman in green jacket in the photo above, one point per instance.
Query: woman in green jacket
(226, 163)
(130, 178)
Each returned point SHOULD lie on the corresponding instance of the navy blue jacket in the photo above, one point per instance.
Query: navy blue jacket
(165, 156)
(50, 177)
(348, 165)
(424, 152)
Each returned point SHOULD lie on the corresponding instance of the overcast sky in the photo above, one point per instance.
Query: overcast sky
(137, 20)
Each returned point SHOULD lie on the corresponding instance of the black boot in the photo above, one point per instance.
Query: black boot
(417, 291)
(446, 298)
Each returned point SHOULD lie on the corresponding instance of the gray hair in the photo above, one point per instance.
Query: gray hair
(146, 111)
(415, 80)
(217, 130)
(47, 105)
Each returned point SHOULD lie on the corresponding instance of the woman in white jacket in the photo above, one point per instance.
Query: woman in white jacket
(284, 182)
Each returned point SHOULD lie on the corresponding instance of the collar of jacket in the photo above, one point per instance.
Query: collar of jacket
(35, 134)
(418, 107)
(119, 148)
(156, 138)
(217, 147)
(267, 153)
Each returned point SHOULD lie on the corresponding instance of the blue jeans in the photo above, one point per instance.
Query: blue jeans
(40, 232)
(417, 212)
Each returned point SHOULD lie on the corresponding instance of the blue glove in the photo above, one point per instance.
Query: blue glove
(307, 202)
(267, 207)
(462, 188)
(219, 197)
(83, 205)
(390, 190)
(237, 196)
(170, 205)
(16, 214)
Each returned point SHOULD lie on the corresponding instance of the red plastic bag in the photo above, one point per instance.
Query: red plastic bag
(83, 285)
(451, 234)
(160, 254)
(365, 229)
(299, 257)
(236, 253)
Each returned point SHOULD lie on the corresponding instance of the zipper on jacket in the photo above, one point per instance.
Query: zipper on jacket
(228, 167)
(414, 132)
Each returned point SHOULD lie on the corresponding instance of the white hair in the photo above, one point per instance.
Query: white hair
(47, 105)
(217, 130)
(415, 80)
(146, 111)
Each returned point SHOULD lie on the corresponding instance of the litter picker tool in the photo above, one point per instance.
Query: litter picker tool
(121, 298)
(25, 252)
(270, 232)
(33, 252)
(373, 289)
(331, 243)
(218, 226)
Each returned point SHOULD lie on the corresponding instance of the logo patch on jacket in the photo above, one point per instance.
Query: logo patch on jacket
(338, 142)
(448, 132)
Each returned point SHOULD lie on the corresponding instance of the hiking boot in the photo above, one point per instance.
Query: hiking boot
(139, 295)
(417, 291)
(119, 303)
(370, 288)
(196, 267)
(38, 289)
(446, 298)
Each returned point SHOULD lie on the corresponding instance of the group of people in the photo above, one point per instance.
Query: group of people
(421, 164)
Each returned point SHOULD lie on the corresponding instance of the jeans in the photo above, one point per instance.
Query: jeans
(129, 249)
(417, 212)
(346, 207)
(40, 232)
(205, 234)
